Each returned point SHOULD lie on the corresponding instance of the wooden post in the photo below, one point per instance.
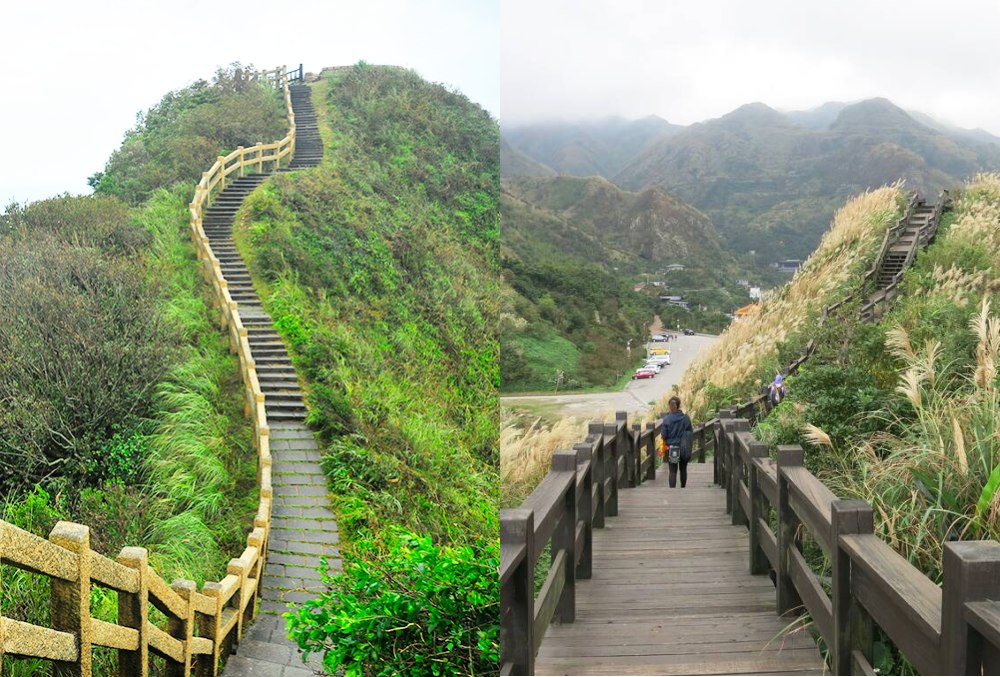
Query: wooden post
(731, 464)
(222, 173)
(260, 157)
(651, 452)
(758, 511)
(718, 471)
(635, 457)
(739, 474)
(182, 628)
(211, 627)
(133, 612)
(585, 511)
(240, 149)
(256, 540)
(852, 626)
(971, 574)
(564, 538)
(613, 443)
(789, 456)
(70, 601)
(517, 640)
(238, 569)
(598, 468)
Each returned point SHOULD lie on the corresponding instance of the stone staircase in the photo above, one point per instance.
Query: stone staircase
(302, 526)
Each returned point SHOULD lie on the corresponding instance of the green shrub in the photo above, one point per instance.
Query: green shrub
(416, 609)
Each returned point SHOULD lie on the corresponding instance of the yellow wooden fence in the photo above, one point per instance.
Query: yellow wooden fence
(201, 626)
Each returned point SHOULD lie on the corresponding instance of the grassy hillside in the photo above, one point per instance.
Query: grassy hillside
(181, 136)
(380, 269)
(120, 404)
(747, 355)
(921, 446)
(573, 250)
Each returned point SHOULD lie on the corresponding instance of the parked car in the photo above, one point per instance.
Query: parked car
(689, 332)
(659, 351)
(643, 372)
(659, 359)
(655, 366)
(660, 338)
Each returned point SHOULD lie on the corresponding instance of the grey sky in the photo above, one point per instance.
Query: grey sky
(73, 75)
(698, 59)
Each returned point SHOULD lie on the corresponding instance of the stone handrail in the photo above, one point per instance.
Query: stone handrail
(202, 627)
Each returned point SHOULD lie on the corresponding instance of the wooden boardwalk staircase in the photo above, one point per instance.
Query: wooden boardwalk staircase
(915, 231)
(671, 593)
(644, 579)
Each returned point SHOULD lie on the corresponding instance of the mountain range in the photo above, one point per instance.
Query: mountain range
(769, 181)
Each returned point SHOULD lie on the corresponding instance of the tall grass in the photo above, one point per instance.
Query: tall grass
(744, 358)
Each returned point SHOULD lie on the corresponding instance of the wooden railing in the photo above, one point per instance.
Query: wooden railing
(954, 629)
(201, 626)
(576, 497)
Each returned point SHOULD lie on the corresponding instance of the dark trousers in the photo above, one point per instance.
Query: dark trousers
(673, 473)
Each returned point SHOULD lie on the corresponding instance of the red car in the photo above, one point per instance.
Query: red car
(644, 373)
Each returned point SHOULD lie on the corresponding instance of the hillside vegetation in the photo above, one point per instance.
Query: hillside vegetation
(380, 269)
(573, 250)
(751, 351)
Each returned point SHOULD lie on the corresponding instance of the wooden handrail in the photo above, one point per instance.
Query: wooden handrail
(221, 608)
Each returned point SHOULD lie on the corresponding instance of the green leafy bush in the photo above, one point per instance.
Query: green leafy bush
(416, 609)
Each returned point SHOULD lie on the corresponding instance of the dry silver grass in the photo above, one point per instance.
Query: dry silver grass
(816, 436)
(526, 452)
(850, 244)
(987, 329)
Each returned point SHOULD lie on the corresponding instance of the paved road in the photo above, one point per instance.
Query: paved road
(637, 396)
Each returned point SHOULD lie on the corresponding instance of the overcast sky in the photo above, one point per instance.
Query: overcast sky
(74, 74)
(699, 59)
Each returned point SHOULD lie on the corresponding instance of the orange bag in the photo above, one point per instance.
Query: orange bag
(662, 450)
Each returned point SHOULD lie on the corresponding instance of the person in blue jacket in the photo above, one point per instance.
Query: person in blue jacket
(678, 433)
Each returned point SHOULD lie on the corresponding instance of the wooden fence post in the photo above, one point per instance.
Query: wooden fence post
(599, 470)
(211, 627)
(852, 626)
(787, 598)
(719, 470)
(739, 517)
(517, 640)
(133, 612)
(651, 452)
(585, 511)
(183, 628)
(758, 511)
(613, 440)
(70, 601)
(635, 457)
(564, 538)
(971, 574)
(242, 160)
(222, 174)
